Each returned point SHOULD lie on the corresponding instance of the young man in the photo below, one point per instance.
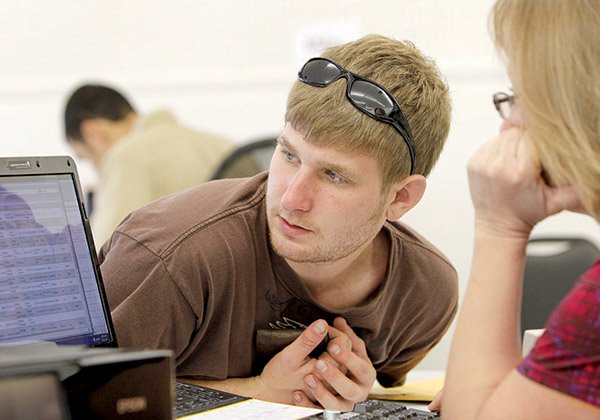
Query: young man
(138, 158)
(220, 272)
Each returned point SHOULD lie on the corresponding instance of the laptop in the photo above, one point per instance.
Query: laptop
(50, 277)
(51, 288)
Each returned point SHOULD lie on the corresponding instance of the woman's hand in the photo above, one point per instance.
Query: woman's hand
(508, 191)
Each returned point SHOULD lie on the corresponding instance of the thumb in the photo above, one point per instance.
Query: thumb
(436, 404)
(306, 342)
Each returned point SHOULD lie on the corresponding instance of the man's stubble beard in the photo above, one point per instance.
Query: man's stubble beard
(339, 248)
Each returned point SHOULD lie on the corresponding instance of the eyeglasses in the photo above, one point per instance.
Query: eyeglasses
(503, 103)
(364, 94)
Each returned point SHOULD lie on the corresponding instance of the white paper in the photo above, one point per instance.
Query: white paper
(256, 410)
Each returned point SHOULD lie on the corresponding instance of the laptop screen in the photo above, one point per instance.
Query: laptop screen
(50, 288)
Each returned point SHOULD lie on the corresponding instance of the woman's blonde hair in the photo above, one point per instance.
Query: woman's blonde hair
(552, 49)
(327, 118)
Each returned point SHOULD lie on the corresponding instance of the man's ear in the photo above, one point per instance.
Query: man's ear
(404, 195)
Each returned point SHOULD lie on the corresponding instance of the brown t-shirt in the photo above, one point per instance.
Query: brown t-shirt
(194, 272)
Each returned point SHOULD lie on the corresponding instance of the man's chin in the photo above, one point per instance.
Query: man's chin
(293, 255)
(285, 252)
(303, 256)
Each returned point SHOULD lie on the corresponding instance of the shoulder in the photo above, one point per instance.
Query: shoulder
(582, 299)
(592, 276)
(573, 332)
(423, 272)
(196, 214)
(574, 322)
(161, 131)
(412, 247)
(155, 126)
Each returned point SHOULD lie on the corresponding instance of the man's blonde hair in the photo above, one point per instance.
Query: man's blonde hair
(552, 49)
(327, 118)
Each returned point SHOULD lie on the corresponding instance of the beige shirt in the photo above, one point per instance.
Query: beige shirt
(158, 157)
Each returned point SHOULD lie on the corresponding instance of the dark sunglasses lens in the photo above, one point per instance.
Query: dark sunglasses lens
(320, 72)
(371, 98)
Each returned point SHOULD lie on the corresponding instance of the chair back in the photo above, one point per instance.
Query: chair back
(247, 160)
(553, 265)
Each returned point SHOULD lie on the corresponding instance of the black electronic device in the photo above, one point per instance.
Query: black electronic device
(55, 316)
(373, 409)
(54, 310)
(93, 383)
(50, 279)
(32, 396)
(193, 399)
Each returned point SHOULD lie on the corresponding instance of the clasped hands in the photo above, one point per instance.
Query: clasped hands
(341, 377)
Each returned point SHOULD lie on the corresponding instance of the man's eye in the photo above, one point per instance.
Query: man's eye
(289, 156)
(334, 176)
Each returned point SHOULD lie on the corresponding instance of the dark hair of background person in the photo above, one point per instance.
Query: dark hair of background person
(93, 101)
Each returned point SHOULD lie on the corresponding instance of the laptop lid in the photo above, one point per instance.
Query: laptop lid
(50, 283)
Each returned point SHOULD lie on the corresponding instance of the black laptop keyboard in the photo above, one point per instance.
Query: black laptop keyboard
(379, 409)
(391, 410)
(190, 399)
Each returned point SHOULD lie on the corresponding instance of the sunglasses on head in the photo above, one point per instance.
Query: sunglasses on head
(364, 94)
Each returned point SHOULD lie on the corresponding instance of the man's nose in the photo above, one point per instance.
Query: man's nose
(297, 195)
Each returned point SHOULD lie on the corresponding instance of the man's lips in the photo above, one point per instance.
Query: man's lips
(291, 228)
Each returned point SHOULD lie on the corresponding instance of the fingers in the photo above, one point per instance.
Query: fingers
(300, 348)
(327, 357)
(285, 372)
(325, 397)
(506, 185)
(497, 155)
(349, 387)
(300, 399)
(510, 153)
(354, 359)
(482, 157)
(528, 161)
(336, 339)
(345, 374)
(436, 404)
(339, 338)
(357, 344)
(360, 371)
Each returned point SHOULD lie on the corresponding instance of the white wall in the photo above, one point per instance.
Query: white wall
(227, 65)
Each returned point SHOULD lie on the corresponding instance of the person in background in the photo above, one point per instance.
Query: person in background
(139, 158)
(226, 274)
(546, 159)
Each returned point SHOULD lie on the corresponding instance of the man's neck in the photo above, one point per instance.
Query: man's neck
(119, 129)
(348, 281)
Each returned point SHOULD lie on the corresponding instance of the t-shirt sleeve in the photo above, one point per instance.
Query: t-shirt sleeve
(566, 357)
(432, 314)
(394, 374)
(148, 309)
